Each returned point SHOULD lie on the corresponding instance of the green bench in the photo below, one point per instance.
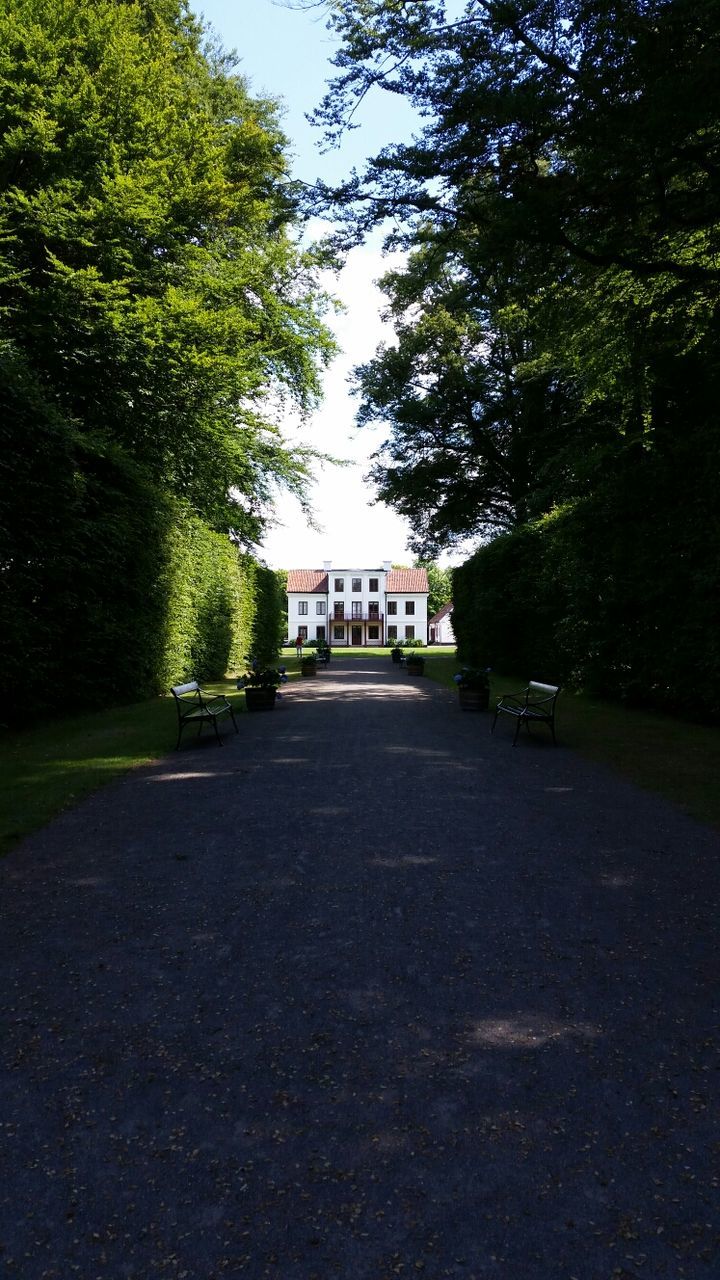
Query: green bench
(195, 707)
(535, 705)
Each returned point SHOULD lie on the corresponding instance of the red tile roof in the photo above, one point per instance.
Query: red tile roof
(415, 580)
(307, 580)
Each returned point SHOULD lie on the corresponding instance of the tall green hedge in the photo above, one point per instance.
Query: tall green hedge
(617, 593)
(110, 591)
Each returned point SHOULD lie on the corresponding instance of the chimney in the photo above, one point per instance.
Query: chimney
(327, 565)
(387, 565)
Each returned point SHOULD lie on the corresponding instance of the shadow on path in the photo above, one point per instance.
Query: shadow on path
(363, 993)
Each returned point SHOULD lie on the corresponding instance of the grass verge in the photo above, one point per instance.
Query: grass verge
(46, 769)
(657, 752)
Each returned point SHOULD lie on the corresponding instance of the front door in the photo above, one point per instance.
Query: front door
(356, 635)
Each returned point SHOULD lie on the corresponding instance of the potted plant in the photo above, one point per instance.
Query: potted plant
(308, 663)
(396, 653)
(260, 684)
(323, 652)
(415, 664)
(473, 688)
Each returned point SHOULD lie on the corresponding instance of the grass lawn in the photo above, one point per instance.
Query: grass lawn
(43, 770)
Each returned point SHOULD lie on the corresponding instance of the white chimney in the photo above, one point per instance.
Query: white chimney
(387, 565)
(327, 565)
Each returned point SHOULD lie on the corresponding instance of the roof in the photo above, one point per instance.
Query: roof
(307, 580)
(442, 613)
(398, 580)
(415, 580)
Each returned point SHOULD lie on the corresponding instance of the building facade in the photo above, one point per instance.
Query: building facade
(357, 606)
(440, 629)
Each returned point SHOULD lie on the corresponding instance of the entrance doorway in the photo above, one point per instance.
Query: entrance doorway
(356, 635)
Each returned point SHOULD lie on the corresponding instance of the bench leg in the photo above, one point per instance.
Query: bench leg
(517, 730)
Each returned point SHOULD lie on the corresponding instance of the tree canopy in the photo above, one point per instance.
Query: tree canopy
(155, 313)
(560, 207)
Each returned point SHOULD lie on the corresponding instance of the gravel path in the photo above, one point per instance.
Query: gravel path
(363, 993)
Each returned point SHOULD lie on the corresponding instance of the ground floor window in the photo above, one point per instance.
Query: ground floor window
(373, 633)
(320, 633)
(338, 633)
(302, 631)
(409, 633)
(392, 633)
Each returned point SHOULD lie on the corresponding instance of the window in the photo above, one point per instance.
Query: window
(392, 606)
(338, 633)
(339, 584)
(338, 609)
(320, 633)
(320, 608)
(302, 607)
(409, 607)
(373, 609)
(357, 584)
(373, 584)
(409, 633)
(392, 633)
(357, 609)
(302, 631)
(373, 633)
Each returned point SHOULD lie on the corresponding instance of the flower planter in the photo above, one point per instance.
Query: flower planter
(308, 666)
(473, 699)
(415, 666)
(260, 699)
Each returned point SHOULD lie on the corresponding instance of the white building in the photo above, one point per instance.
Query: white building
(440, 628)
(357, 606)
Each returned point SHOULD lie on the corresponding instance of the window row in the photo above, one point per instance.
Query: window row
(356, 584)
(392, 608)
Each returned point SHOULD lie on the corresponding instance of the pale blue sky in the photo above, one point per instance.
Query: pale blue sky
(284, 53)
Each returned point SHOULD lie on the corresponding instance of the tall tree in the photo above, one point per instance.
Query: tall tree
(155, 309)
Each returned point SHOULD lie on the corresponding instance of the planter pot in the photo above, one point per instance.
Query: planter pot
(308, 667)
(260, 699)
(473, 699)
(415, 666)
(395, 657)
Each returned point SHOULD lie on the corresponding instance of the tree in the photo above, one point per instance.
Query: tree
(440, 583)
(562, 209)
(155, 310)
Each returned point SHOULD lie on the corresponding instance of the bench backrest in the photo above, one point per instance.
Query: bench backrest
(549, 689)
(179, 689)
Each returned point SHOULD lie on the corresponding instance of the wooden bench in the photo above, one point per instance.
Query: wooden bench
(196, 707)
(535, 705)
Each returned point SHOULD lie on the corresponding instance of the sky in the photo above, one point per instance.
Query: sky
(284, 54)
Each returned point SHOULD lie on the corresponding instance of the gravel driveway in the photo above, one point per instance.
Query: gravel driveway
(363, 993)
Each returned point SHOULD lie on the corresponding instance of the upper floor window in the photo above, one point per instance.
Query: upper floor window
(357, 584)
(373, 585)
(357, 609)
(409, 607)
(338, 609)
(302, 606)
(392, 606)
(339, 584)
(320, 606)
(373, 608)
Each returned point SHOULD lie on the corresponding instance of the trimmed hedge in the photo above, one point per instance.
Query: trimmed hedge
(617, 593)
(110, 592)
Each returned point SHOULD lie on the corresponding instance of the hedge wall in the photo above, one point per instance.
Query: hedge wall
(617, 593)
(109, 591)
